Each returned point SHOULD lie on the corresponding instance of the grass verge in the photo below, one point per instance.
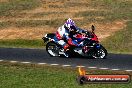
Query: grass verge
(31, 23)
(11, 8)
(121, 41)
(22, 43)
(37, 76)
(106, 11)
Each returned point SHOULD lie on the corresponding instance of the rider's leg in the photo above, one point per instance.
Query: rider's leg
(76, 43)
(66, 48)
(64, 45)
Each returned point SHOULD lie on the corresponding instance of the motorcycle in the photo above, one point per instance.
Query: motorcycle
(91, 46)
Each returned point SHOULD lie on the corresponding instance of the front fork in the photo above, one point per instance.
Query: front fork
(91, 49)
(97, 49)
(97, 46)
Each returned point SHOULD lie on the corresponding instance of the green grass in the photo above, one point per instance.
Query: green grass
(5, 24)
(121, 41)
(13, 7)
(35, 76)
(110, 10)
(42, 14)
(38, 23)
(22, 43)
(31, 23)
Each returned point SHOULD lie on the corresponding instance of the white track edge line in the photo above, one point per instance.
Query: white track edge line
(65, 65)
(92, 67)
(115, 69)
(128, 70)
(54, 64)
(80, 66)
(103, 68)
(25, 62)
(41, 63)
(13, 61)
(1, 60)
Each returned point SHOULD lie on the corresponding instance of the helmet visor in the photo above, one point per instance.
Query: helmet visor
(73, 28)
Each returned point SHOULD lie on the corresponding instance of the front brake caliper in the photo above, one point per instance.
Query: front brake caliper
(98, 46)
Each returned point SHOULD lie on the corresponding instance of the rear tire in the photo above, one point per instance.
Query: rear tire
(52, 49)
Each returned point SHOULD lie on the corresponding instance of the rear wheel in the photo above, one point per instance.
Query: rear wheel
(52, 49)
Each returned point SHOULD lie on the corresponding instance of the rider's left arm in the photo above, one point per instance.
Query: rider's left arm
(79, 30)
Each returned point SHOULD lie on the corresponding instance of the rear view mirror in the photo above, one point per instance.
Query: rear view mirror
(93, 28)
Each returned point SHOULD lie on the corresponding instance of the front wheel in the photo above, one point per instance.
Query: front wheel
(52, 49)
(100, 53)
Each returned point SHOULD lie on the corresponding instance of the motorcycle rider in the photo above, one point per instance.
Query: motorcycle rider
(66, 32)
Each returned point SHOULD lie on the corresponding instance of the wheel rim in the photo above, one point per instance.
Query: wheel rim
(53, 50)
(99, 54)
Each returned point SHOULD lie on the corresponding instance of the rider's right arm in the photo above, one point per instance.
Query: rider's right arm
(66, 35)
(68, 39)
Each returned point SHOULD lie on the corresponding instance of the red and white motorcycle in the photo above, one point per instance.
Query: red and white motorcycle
(91, 46)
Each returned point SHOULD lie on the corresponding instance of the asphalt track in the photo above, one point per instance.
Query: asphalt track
(113, 61)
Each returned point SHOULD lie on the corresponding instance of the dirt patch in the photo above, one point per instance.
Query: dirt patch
(102, 31)
(3, 0)
(107, 29)
(52, 6)
(24, 33)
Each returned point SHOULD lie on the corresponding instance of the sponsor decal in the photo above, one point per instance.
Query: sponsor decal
(88, 78)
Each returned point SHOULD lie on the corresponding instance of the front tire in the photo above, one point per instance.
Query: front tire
(100, 53)
(52, 49)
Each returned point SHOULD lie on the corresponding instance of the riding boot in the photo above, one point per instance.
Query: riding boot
(66, 49)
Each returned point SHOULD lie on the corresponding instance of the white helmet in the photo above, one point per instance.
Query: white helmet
(70, 24)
